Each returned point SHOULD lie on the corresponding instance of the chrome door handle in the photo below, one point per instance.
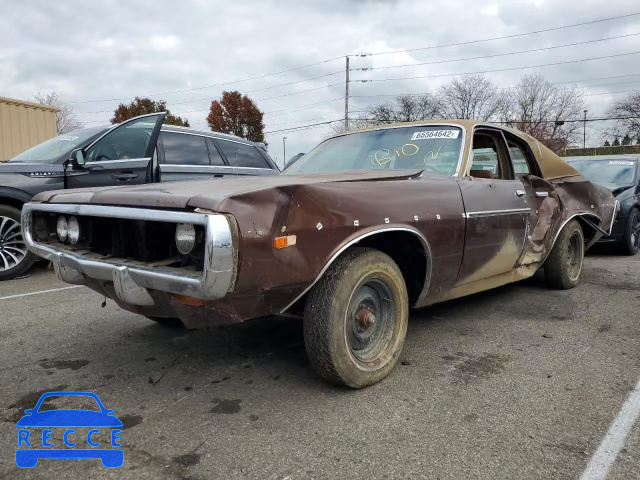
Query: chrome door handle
(520, 193)
(542, 194)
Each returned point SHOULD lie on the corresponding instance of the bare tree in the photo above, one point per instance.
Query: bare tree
(629, 109)
(473, 97)
(539, 108)
(67, 119)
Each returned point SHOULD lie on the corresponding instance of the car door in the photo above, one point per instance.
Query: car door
(541, 197)
(188, 156)
(496, 210)
(122, 156)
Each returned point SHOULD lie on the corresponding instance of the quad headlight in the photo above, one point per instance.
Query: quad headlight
(62, 229)
(185, 237)
(73, 228)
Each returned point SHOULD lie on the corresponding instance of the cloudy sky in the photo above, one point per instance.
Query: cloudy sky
(98, 54)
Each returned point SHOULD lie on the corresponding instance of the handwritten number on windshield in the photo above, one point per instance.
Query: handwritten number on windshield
(383, 156)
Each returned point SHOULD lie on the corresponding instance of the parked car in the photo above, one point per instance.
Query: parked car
(123, 154)
(355, 232)
(621, 175)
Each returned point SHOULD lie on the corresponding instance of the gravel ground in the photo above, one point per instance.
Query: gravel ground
(519, 382)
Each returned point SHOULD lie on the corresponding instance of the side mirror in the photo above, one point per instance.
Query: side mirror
(77, 156)
(28, 411)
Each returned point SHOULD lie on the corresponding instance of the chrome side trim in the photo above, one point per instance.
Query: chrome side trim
(495, 213)
(616, 209)
(219, 168)
(132, 280)
(353, 241)
(128, 160)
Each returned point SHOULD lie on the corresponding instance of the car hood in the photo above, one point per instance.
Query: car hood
(207, 194)
(69, 418)
(616, 189)
(26, 168)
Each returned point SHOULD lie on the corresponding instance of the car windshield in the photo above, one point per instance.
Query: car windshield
(57, 147)
(434, 148)
(611, 172)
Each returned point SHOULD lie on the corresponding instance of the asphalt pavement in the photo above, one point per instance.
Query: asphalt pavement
(520, 382)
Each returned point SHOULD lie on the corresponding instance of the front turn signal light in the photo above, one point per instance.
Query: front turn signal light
(283, 242)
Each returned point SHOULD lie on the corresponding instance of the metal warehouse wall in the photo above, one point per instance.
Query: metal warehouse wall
(23, 125)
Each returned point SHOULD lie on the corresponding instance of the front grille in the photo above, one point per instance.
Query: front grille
(150, 242)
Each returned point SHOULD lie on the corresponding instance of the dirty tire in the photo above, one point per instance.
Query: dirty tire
(340, 345)
(563, 267)
(12, 263)
(630, 241)
(167, 322)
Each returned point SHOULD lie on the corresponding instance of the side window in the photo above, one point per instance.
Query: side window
(242, 155)
(126, 141)
(214, 154)
(518, 159)
(486, 159)
(183, 149)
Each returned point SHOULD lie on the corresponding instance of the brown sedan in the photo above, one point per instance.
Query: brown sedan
(360, 229)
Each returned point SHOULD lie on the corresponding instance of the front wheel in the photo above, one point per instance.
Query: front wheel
(630, 242)
(15, 257)
(355, 319)
(563, 266)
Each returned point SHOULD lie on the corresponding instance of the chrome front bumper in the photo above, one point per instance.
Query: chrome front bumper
(131, 279)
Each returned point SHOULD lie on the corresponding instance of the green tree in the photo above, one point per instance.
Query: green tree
(626, 140)
(616, 142)
(238, 115)
(606, 143)
(144, 106)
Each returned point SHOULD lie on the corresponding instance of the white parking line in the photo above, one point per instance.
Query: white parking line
(613, 441)
(38, 293)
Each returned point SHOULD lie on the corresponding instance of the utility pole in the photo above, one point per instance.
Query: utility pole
(284, 152)
(346, 96)
(584, 131)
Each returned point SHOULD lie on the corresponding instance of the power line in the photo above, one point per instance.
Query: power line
(213, 85)
(249, 91)
(469, 42)
(497, 54)
(302, 127)
(497, 70)
(610, 93)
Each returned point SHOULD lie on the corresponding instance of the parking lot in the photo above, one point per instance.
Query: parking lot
(518, 382)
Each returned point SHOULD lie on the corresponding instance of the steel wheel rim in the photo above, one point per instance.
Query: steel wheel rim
(370, 319)
(574, 256)
(635, 231)
(13, 249)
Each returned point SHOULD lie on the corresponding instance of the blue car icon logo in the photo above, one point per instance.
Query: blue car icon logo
(81, 431)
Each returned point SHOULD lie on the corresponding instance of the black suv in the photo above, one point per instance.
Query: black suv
(140, 150)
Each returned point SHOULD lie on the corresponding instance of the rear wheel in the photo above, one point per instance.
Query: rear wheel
(630, 242)
(15, 257)
(563, 267)
(355, 319)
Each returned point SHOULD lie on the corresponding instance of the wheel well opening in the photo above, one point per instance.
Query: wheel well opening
(12, 202)
(408, 252)
(588, 231)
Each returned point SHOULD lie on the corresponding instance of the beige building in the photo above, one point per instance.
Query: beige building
(23, 125)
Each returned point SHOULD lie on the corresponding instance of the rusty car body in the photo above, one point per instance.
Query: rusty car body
(449, 208)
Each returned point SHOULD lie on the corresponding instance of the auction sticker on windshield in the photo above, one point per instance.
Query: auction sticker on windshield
(620, 162)
(429, 134)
